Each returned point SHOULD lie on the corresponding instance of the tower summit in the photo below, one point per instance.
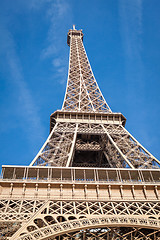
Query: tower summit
(91, 179)
(75, 33)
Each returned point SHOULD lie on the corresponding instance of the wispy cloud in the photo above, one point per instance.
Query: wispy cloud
(36, 4)
(57, 62)
(131, 29)
(59, 14)
(131, 26)
(25, 103)
(56, 13)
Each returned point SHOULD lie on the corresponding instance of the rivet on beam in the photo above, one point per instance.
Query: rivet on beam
(85, 190)
(48, 190)
(61, 189)
(156, 192)
(121, 191)
(144, 191)
(11, 189)
(109, 191)
(97, 190)
(24, 188)
(133, 192)
(36, 189)
(73, 190)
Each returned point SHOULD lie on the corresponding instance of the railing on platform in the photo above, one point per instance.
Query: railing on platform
(62, 174)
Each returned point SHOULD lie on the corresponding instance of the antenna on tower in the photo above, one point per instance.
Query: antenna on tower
(74, 27)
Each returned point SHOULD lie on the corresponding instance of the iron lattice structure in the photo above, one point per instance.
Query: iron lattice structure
(91, 179)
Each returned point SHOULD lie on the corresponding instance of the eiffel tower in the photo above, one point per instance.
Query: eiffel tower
(91, 179)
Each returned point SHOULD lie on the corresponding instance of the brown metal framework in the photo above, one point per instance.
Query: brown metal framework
(91, 179)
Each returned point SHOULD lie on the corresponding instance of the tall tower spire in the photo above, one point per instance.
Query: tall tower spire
(75, 138)
(91, 179)
(82, 92)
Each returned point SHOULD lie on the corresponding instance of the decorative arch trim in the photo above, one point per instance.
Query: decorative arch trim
(54, 230)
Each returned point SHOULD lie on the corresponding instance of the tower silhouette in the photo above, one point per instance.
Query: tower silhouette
(91, 179)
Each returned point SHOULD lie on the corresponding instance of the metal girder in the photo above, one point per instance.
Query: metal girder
(112, 142)
(54, 199)
(74, 139)
(61, 217)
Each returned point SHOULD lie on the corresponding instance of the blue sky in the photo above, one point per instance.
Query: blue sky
(121, 38)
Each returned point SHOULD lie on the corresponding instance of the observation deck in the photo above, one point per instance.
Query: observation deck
(80, 183)
(74, 32)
